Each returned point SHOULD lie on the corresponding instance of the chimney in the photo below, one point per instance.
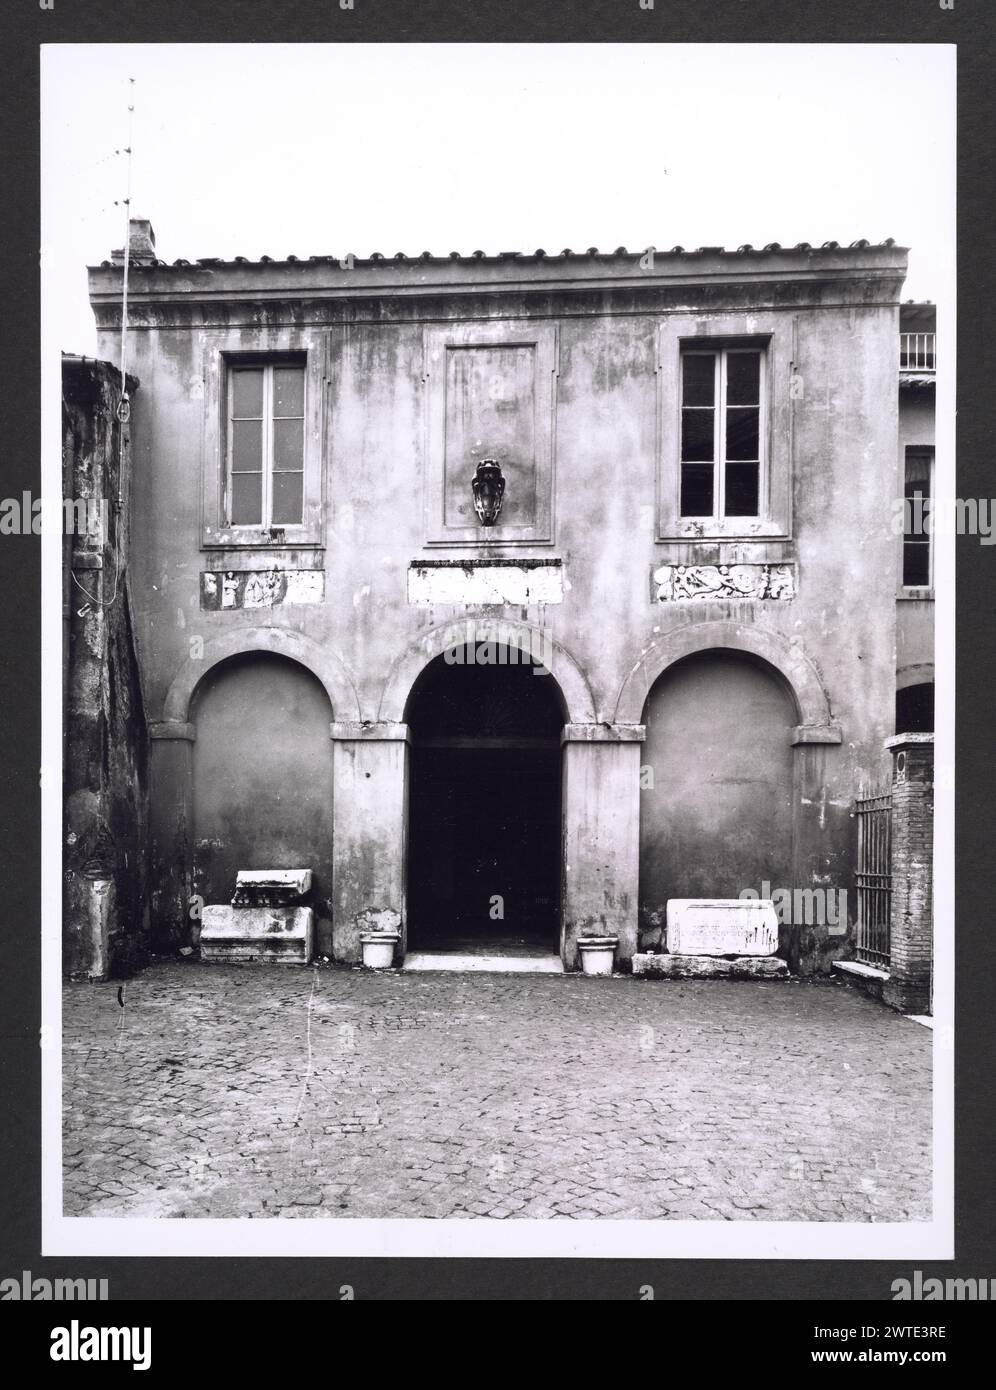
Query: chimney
(141, 243)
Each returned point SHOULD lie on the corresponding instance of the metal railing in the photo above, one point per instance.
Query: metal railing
(917, 352)
(873, 879)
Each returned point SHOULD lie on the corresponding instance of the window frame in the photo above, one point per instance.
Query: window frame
(772, 335)
(720, 462)
(926, 451)
(267, 418)
(223, 353)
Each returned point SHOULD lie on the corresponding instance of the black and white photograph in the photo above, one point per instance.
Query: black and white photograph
(498, 556)
(496, 800)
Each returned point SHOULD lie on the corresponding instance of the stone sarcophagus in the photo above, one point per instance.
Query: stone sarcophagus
(266, 920)
(271, 935)
(717, 938)
(722, 927)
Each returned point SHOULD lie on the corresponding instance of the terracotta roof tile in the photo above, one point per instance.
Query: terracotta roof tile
(620, 252)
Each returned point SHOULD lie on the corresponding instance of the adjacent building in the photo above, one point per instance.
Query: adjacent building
(915, 629)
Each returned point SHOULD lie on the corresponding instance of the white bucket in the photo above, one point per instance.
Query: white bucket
(597, 954)
(378, 949)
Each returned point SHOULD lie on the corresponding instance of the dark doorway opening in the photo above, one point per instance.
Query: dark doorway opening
(915, 709)
(484, 803)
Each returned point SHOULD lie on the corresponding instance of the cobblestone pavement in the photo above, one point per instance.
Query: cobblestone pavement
(242, 1091)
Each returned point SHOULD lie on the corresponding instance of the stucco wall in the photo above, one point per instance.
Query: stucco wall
(605, 483)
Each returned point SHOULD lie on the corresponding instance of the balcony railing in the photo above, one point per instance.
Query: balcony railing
(917, 352)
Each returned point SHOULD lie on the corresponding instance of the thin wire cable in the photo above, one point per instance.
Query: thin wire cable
(127, 244)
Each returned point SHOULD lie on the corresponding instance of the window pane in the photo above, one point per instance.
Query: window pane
(697, 431)
(916, 563)
(916, 515)
(699, 378)
(287, 498)
(743, 378)
(696, 489)
(247, 391)
(288, 443)
(742, 489)
(288, 390)
(917, 519)
(247, 499)
(247, 446)
(742, 432)
(917, 472)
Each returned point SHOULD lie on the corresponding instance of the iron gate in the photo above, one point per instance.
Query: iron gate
(873, 879)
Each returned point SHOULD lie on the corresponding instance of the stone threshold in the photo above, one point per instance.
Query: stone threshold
(495, 965)
(867, 979)
(859, 968)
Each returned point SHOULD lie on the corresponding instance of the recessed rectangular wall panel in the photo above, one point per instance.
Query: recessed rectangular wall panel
(491, 413)
(490, 392)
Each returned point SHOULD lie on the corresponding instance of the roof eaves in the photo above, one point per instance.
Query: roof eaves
(593, 253)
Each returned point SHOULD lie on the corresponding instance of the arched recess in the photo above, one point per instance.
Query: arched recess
(261, 775)
(318, 659)
(716, 816)
(787, 658)
(504, 631)
(920, 673)
(915, 699)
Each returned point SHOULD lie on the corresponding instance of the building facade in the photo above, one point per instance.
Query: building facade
(915, 629)
(660, 671)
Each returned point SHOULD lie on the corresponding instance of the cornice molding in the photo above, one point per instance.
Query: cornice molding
(255, 306)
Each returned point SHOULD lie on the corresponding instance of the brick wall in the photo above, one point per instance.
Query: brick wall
(908, 986)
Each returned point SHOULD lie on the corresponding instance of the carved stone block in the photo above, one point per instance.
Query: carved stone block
(676, 583)
(511, 584)
(271, 887)
(270, 935)
(710, 967)
(722, 927)
(231, 589)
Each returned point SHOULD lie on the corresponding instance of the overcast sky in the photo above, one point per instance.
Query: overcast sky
(325, 149)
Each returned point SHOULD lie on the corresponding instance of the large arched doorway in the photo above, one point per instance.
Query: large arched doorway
(716, 797)
(484, 803)
(262, 777)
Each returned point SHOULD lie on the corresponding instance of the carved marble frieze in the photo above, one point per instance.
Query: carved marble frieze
(231, 589)
(508, 584)
(675, 583)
